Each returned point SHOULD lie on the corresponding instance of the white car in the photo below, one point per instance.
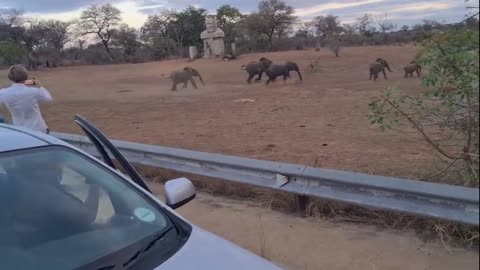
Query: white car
(61, 208)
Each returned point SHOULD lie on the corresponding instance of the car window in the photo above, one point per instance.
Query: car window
(76, 184)
(109, 152)
(57, 201)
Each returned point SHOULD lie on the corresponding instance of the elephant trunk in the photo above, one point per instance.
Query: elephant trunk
(200, 77)
(299, 74)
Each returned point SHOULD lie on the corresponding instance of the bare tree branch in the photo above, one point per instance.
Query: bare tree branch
(420, 129)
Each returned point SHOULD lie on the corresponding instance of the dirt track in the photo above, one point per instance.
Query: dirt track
(316, 244)
(322, 118)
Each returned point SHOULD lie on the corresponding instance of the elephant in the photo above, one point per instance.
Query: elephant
(377, 67)
(257, 68)
(184, 76)
(276, 70)
(384, 63)
(412, 67)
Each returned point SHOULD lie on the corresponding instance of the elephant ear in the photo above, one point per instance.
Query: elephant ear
(267, 62)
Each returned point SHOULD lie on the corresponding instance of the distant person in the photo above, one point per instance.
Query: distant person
(22, 100)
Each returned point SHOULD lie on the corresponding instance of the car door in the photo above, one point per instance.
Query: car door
(104, 147)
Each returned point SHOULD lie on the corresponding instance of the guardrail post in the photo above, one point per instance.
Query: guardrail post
(301, 202)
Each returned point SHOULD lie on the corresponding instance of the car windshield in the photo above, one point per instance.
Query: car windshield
(59, 208)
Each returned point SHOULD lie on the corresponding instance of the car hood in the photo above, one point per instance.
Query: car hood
(204, 250)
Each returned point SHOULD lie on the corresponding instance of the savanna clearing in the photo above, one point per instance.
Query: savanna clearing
(320, 121)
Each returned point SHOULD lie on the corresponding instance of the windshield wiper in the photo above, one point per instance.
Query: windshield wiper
(149, 245)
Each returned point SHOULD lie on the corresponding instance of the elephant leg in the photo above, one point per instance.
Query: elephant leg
(418, 73)
(375, 77)
(269, 80)
(174, 86)
(185, 84)
(384, 74)
(250, 77)
(371, 75)
(406, 73)
(193, 83)
(259, 77)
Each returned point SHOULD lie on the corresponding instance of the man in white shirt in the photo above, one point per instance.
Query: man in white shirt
(22, 100)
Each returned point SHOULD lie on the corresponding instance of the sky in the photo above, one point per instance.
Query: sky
(135, 12)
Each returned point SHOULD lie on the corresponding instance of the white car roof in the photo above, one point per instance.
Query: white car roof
(15, 138)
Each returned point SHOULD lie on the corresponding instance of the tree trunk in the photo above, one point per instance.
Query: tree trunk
(270, 43)
(105, 44)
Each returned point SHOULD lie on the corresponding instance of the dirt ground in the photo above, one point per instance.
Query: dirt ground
(322, 118)
(316, 244)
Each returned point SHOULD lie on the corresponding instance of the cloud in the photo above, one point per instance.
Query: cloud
(332, 6)
(48, 6)
(135, 12)
(400, 12)
(423, 6)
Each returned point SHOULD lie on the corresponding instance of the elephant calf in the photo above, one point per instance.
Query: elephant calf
(377, 67)
(257, 68)
(276, 70)
(184, 76)
(412, 67)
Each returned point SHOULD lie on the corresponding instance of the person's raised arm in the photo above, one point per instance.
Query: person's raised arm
(42, 94)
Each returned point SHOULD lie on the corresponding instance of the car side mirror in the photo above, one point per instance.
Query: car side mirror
(178, 192)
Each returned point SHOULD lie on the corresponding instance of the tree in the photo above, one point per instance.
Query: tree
(100, 20)
(11, 25)
(56, 34)
(450, 106)
(273, 19)
(364, 25)
(11, 17)
(305, 30)
(229, 19)
(156, 33)
(11, 53)
(426, 29)
(187, 26)
(125, 37)
(157, 26)
(78, 47)
(327, 26)
(350, 34)
(385, 25)
(405, 28)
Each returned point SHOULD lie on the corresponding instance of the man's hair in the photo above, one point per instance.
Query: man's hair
(17, 74)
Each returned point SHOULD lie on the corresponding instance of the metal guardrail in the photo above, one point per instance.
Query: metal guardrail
(439, 201)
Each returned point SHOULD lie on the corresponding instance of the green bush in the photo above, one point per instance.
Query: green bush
(11, 53)
(448, 108)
